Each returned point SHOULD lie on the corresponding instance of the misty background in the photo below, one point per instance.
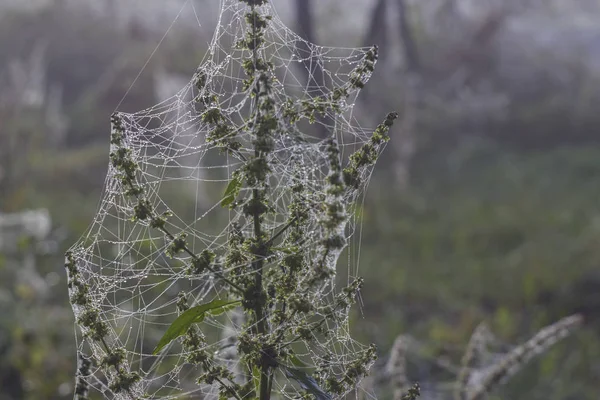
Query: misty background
(484, 207)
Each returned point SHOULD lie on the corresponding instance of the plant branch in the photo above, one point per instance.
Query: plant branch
(130, 181)
(195, 257)
(281, 231)
(117, 366)
(229, 389)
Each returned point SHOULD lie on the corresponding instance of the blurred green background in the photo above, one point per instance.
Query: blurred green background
(485, 206)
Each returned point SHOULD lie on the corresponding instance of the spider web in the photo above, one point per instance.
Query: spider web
(131, 280)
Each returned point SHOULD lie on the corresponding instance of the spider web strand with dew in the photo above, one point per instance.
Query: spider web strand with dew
(133, 283)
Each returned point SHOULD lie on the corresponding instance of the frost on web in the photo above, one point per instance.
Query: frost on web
(184, 204)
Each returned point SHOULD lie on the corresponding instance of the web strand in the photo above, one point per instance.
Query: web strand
(132, 281)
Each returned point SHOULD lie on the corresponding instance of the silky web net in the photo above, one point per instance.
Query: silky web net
(132, 281)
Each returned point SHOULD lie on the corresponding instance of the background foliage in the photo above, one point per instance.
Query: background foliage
(485, 206)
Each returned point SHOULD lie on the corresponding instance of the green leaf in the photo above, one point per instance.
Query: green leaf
(307, 383)
(194, 315)
(232, 190)
(256, 379)
(296, 361)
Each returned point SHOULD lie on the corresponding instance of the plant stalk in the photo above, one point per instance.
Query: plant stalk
(258, 264)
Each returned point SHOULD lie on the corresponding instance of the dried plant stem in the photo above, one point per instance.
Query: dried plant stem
(519, 356)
